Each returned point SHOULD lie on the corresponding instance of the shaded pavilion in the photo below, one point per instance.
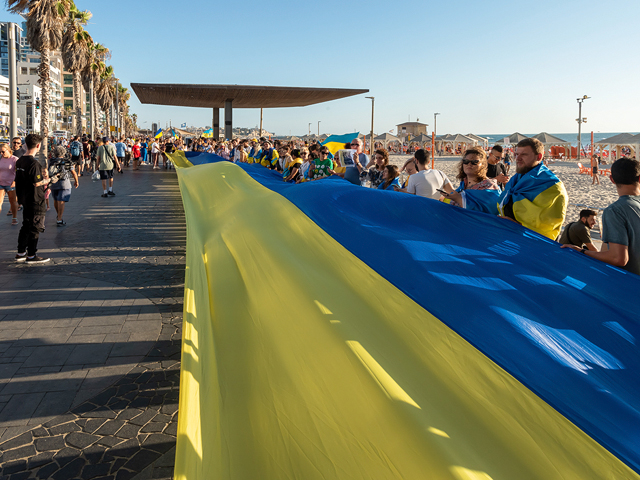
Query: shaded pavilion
(238, 96)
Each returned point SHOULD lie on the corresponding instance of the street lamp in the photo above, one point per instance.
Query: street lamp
(309, 128)
(371, 139)
(319, 127)
(435, 123)
(433, 138)
(580, 121)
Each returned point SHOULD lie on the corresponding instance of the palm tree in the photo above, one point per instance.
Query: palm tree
(98, 53)
(45, 25)
(75, 55)
(106, 92)
(123, 97)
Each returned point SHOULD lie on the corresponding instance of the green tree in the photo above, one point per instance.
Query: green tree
(45, 25)
(90, 75)
(75, 54)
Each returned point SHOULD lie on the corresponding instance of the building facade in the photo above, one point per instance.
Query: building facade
(412, 128)
(29, 111)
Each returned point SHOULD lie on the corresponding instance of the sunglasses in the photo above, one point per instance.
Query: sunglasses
(472, 162)
(324, 153)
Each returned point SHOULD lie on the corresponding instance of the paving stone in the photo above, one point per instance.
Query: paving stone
(71, 470)
(39, 460)
(16, 442)
(13, 467)
(18, 453)
(66, 455)
(81, 440)
(141, 460)
(65, 428)
(144, 417)
(94, 453)
(110, 427)
(45, 444)
(159, 442)
(93, 471)
(128, 431)
(93, 424)
(47, 471)
(153, 427)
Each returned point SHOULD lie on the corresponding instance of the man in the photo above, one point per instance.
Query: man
(534, 197)
(621, 219)
(155, 153)
(17, 147)
(121, 151)
(61, 190)
(360, 162)
(495, 168)
(106, 157)
(427, 182)
(91, 161)
(30, 189)
(77, 157)
(578, 233)
(594, 169)
(86, 154)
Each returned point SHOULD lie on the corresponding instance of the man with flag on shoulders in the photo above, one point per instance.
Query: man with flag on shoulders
(534, 197)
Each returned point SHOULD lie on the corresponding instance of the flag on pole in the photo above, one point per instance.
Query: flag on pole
(338, 142)
(158, 134)
(184, 125)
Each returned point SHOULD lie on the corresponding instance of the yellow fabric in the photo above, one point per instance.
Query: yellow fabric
(546, 213)
(300, 362)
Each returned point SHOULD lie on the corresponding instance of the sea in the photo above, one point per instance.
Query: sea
(585, 137)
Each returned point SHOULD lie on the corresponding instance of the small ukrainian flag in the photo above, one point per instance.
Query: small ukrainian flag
(158, 133)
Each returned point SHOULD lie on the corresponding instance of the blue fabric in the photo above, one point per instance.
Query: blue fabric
(563, 324)
(394, 183)
(480, 200)
(529, 185)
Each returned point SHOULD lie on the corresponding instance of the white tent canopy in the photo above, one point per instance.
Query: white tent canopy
(514, 138)
(618, 141)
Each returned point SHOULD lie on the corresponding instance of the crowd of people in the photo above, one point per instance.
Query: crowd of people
(533, 197)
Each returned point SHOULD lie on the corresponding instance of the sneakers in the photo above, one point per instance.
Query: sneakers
(61, 223)
(36, 259)
(111, 194)
(104, 195)
(21, 258)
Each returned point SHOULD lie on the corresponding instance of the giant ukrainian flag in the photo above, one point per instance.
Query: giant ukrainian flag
(336, 332)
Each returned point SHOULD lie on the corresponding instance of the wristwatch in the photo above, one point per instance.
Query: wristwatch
(584, 250)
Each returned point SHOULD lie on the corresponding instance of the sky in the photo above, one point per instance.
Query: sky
(487, 67)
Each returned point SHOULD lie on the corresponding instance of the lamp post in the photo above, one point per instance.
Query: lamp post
(435, 123)
(309, 128)
(319, 127)
(580, 121)
(433, 137)
(373, 99)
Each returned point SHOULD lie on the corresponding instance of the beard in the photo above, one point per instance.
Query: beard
(524, 169)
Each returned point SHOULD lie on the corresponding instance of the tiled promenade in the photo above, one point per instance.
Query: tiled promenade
(90, 343)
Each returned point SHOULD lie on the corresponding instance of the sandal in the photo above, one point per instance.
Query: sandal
(14, 221)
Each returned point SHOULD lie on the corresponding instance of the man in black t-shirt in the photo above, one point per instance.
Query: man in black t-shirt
(578, 233)
(495, 168)
(30, 189)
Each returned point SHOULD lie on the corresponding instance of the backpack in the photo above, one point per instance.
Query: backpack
(75, 149)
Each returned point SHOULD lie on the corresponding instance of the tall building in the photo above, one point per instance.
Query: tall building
(29, 111)
(4, 106)
(4, 46)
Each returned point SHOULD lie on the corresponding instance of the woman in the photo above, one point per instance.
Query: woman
(136, 152)
(476, 191)
(411, 168)
(7, 179)
(375, 171)
(306, 164)
(292, 168)
(390, 180)
(321, 166)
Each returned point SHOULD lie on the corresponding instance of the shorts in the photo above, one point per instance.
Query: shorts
(106, 174)
(594, 170)
(7, 189)
(61, 195)
(76, 159)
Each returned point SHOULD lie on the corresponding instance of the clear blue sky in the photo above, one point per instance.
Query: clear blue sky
(488, 67)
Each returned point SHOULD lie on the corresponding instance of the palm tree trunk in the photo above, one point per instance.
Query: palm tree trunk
(44, 81)
(95, 114)
(77, 98)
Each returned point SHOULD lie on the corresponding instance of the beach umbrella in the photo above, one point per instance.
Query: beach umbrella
(549, 140)
(514, 138)
(479, 139)
(618, 141)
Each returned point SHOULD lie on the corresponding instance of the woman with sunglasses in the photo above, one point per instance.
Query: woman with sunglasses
(322, 166)
(476, 191)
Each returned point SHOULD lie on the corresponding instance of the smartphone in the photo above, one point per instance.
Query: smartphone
(441, 191)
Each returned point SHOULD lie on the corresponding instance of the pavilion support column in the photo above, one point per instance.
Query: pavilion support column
(228, 120)
(216, 124)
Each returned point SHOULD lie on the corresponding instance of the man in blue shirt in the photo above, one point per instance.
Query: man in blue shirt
(121, 150)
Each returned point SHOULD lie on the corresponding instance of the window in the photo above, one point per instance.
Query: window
(68, 91)
(68, 104)
(68, 79)
(33, 71)
(34, 60)
(23, 70)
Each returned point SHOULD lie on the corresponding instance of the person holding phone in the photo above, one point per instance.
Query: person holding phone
(426, 181)
(476, 191)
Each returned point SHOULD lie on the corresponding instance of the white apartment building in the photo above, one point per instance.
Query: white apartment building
(29, 107)
(28, 75)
